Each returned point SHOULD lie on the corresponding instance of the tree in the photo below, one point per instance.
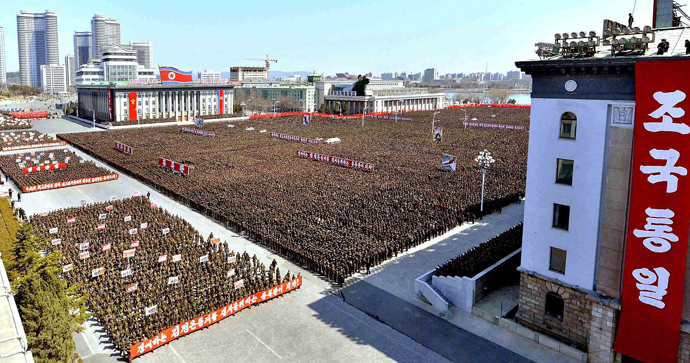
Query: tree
(345, 107)
(50, 311)
(288, 103)
(498, 95)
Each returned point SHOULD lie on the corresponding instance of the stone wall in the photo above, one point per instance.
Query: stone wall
(684, 348)
(602, 333)
(575, 326)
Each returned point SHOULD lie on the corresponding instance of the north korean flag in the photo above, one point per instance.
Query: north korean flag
(172, 75)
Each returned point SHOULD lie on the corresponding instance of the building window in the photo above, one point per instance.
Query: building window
(554, 305)
(561, 216)
(557, 260)
(564, 171)
(568, 125)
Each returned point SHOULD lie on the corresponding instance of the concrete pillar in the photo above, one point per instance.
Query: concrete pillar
(602, 331)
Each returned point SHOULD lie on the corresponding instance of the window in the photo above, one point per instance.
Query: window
(561, 216)
(557, 260)
(564, 171)
(554, 305)
(568, 125)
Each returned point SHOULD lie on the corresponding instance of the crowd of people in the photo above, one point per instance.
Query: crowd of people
(333, 220)
(12, 139)
(173, 267)
(8, 122)
(75, 167)
(478, 258)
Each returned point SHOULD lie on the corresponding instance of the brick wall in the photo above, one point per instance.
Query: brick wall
(684, 348)
(602, 333)
(576, 315)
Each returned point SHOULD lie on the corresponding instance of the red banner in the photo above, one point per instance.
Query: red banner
(30, 115)
(220, 101)
(132, 106)
(111, 112)
(44, 167)
(64, 184)
(656, 247)
(179, 330)
(335, 160)
(124, 148)
(184, 169)
(33, 146)
(304, 140)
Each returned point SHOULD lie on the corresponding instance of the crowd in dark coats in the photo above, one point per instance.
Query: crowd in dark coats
(331, 219)
(169, 249)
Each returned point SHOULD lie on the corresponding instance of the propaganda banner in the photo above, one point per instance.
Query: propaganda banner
(34, 169)
(659, 214)
(448, 162)
(128, 253)
(65, 184)
(182, 329)
(304, 140)
(67, 268)
(335, 160)
(220, 101)
(33, 146)
(132, 103)
(55, 242)
(133, 288)
(125, 149)
(184, 169)
(492, 126)
(126, 273)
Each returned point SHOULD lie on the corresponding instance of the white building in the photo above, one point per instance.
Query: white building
(82, 48)
(144, 52)
(37, 38)
(385, 100)
(69, 69)
(3, 70)
(116, 65)
(305, 94)
(53, 79)
(248, 74)
(104, 32)
(208, 75)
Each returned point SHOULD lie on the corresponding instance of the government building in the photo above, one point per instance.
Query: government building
(115, 102)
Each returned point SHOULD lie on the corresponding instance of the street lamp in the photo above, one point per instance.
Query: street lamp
(274, 107)
(484, 160)
(340, 109)
(433, 120)
(363, 112)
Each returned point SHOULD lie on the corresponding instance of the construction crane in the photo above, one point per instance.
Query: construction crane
(267, 60)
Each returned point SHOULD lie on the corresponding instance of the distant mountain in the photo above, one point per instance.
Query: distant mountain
(273, 74)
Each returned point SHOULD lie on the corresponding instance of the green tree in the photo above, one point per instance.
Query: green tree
(50, 311)
(346, 108)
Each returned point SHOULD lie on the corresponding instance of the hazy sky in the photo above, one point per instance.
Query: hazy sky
(333, 36)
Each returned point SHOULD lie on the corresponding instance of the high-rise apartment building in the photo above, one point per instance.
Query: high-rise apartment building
(37, 37)
(82, 48)
(3, 71)
(69, 69)
(104, 32)
(208, 75)
(144, 52)
(53, 79)
(430, 75)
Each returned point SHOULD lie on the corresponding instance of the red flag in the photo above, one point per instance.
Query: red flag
(132, 106)
(109, 208)
(101, 227)
(172, 75)
(71, 220)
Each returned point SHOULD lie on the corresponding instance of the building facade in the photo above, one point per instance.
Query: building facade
(117, 64)
(144, 53)
(37, 38)
(208, 75)
(580, 269)
(104, 32)
(3, 69)
(111, 102)
(390, 100)
(248, 74)
(82, 48)
(69, 69)
(430, 75)
(305, 94)
(53, 79)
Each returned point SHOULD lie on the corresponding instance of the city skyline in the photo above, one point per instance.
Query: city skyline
(447, 40)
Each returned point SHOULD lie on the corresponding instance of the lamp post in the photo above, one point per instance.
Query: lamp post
(484, 159)
(364, 111)
(274, 107)
(433, 120)
(243, 105)
(340, 109)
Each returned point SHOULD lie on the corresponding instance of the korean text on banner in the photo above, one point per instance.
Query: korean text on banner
(659, 214)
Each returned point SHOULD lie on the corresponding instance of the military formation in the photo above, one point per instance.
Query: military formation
(334, 220)
(130, 258)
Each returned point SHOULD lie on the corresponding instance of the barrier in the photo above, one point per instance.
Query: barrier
(182, 329)
(184, 169)
(33, 146)
(65, 184)
(44, 168)
(123, 148)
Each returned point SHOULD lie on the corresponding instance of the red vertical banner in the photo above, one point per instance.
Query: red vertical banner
(132, 102)
(220, 101)
(659, 214)
(110, 104)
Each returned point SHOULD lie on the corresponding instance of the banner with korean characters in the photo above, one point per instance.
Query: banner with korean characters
(193, 325)
(659, 214)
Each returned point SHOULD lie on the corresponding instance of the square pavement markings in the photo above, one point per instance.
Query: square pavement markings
(436, 334)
